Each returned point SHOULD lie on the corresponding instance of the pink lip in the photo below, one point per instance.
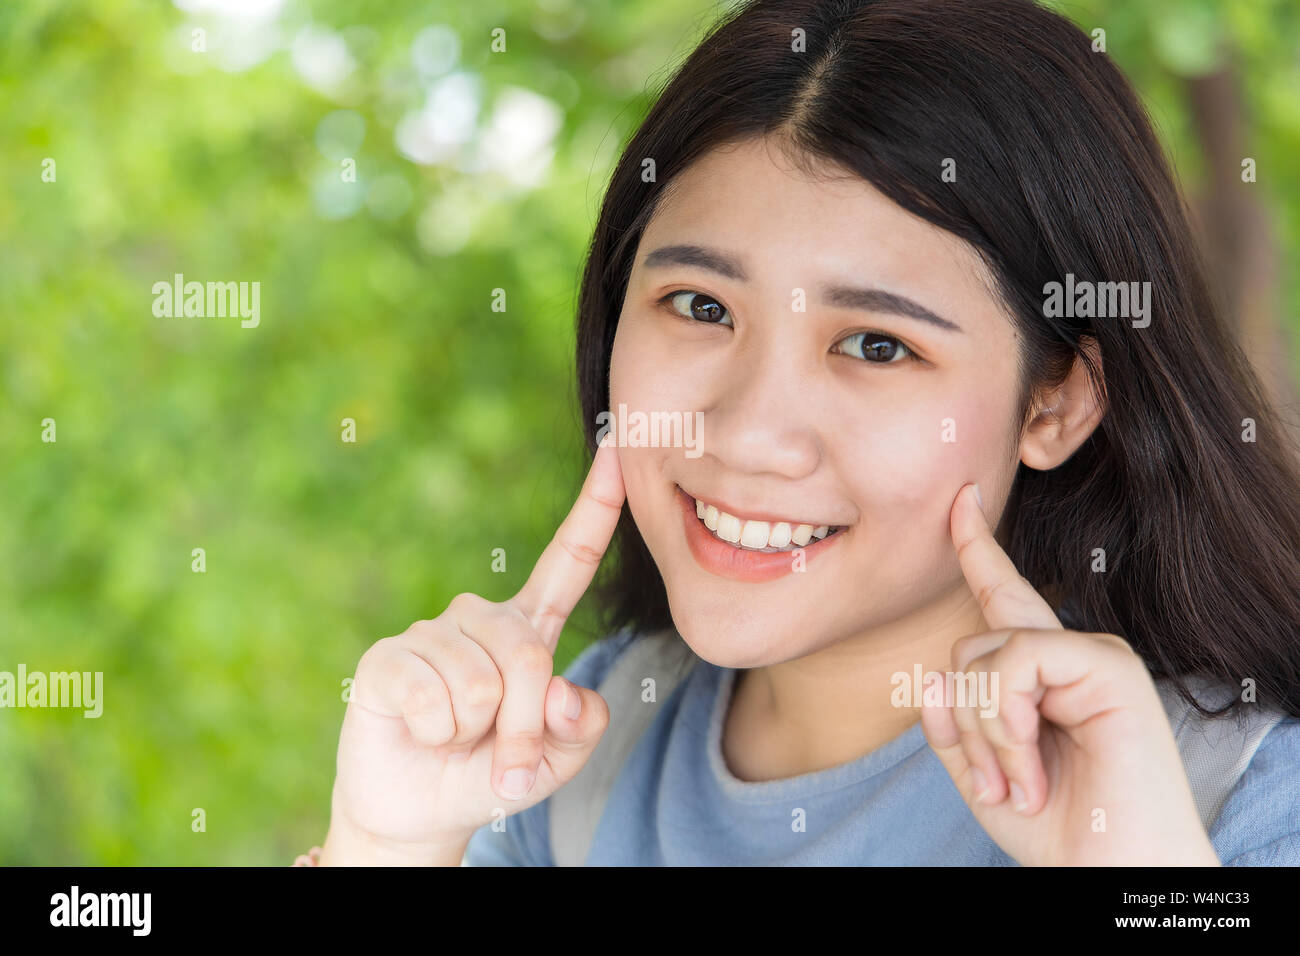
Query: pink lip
(720, 558)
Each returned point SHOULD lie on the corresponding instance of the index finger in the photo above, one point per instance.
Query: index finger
(565, 569)
(1005, 597)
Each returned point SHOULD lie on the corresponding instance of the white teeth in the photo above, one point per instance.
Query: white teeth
(729, 527)
(757, 535)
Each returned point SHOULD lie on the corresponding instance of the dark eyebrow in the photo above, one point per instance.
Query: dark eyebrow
(698, 256)
(877, 300)
(845, 297)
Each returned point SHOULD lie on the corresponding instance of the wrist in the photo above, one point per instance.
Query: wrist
(347, 845)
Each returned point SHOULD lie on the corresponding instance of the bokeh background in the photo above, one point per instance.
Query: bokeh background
(222, 155)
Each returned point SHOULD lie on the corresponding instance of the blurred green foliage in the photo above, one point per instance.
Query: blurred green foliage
(222, 689)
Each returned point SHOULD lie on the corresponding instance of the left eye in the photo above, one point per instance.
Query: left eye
(874, 347)
(702, 307)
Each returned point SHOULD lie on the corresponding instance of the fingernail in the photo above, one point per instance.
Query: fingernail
(516, 782)
(572, 701)
(1018, 800)
(980, 782)
(979, 499)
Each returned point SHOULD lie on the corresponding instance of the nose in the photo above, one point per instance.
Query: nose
(761, 420)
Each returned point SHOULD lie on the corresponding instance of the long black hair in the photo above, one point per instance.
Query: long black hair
(1057, 171)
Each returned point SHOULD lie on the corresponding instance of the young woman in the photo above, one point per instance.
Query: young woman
(920, 273)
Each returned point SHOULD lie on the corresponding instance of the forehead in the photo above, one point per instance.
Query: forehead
(795, 228)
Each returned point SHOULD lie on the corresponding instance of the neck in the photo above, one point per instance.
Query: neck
(836, 704)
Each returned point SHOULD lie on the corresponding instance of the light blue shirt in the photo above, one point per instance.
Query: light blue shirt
(676, 804)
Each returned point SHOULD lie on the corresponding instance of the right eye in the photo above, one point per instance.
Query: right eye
(689, 304)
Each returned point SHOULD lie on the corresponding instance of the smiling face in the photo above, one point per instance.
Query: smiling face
(846, 409)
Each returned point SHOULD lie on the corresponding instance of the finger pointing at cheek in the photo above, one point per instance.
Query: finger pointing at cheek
(991, 756)
(1006, 599)
(565, 569)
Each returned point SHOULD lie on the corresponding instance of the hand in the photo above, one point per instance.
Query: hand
(1079, 741)
(459, 719)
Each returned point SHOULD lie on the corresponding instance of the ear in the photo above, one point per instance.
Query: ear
(1066, 415)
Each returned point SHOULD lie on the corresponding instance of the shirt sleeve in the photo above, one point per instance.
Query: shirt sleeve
(1259, 824)
(524, 839)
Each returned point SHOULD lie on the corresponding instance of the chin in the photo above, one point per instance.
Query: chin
(726, 636)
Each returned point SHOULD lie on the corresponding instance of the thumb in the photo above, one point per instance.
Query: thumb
(569, 741)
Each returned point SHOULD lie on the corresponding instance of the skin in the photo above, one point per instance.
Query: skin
(795, 425)
(792, 427)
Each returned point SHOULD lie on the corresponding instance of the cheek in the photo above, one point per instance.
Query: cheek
(647, 378)
(912, 460)
(639, 381)
(645, 374)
